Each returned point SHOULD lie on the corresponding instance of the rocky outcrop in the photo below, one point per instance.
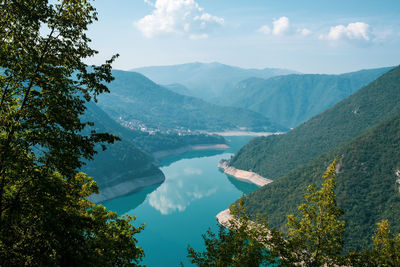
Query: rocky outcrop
(247, 176)
(224, 217)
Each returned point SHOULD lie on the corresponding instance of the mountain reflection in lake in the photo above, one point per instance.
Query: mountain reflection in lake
(181, 209)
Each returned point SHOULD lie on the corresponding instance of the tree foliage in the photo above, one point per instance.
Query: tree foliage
(315, 239)
(366, 185)
(386, 249)
(44, 85)
(242, 245)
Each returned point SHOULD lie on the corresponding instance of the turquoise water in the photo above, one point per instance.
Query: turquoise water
(181, 209)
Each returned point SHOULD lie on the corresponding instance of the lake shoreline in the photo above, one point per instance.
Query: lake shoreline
(246, 133)
(243, 175)
(126, 187)
(170, 152)
(224, 217)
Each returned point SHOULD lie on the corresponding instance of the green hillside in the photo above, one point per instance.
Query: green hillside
(148, 142)
(293, 99)
(367, 190)
(122, 160)
(274, 156)
(206, 80)
(133, 97)
(131, 157)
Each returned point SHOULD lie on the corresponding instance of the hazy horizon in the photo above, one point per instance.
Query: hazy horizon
(307, 36)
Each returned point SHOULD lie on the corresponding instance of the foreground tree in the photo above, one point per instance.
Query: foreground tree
(316, 238)
(244, 244)
(386, 249)
(45, 219)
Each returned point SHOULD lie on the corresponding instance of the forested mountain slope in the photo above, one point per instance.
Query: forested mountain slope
(293, 99)
(133, 97)
(206, 80)
(274, 156)
(122, 160)
(368, 188)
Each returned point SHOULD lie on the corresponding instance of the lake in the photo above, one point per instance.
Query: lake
(181, 209)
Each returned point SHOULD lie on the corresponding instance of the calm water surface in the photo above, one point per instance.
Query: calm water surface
(181, 209)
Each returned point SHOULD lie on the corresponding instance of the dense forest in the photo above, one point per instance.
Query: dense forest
(314, 236)
(274, 156)
(293, 99)
(367, 190)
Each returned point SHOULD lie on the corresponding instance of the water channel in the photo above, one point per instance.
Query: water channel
(181, 209)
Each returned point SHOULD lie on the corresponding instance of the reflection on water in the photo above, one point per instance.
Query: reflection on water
(181, 209)
(129, 202)
(185, 183)
(165, 162)
(234, 143)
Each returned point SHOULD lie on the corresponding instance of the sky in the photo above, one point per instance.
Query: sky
(309, 36)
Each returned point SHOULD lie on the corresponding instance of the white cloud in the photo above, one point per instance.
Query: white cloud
(192, 171)
(264, 29)
(304, 32)
(198, 36)
(177, 17)
(353, 31)
(281, 26)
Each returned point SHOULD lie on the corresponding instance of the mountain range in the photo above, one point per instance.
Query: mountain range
(208, 81)
(293, 99)
(135, 98)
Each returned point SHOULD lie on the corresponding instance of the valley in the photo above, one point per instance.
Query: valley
(169, 133)
(281, 157)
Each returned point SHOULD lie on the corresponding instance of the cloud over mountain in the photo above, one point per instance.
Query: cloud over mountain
(184, 17)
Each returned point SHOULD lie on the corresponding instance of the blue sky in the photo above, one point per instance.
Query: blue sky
(326, 36)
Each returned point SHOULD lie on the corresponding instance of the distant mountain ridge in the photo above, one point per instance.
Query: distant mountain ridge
(135, 97)
(206, 80)
(295, 98)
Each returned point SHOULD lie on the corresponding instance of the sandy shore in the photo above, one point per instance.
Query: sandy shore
(181, 150)
(247, 176)
(244, 133)
(224, 217)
